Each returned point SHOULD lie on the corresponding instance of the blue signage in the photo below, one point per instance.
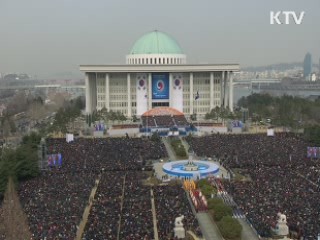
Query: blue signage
(160, 85)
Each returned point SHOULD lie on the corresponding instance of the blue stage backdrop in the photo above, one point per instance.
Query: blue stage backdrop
(160, 85)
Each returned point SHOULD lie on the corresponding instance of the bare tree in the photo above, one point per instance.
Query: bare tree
(14, 219)
(18, 104)
(5, 128)
(36, 111)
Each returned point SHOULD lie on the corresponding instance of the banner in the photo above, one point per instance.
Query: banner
(142, 96)
(69, 137)
(270, 132)
(177, 91)
(160, 85)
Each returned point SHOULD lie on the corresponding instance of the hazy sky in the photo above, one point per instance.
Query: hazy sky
(53, 37)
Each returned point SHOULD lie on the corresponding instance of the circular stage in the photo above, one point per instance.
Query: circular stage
(178, 169)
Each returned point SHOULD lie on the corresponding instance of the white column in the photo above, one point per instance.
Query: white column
(211, 90)
(149, 91)
(222, 89)
(93, 87)
(88, 97)
(191, 93)
(129, 94)
(231, 92)
(170, 90)
(107, 103)
(226, 89)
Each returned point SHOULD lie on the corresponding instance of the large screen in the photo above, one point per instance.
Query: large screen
(160, 86)
(313, 152)
(55, 159)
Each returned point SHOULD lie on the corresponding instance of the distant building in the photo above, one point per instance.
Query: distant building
(307, 66)
(156, 75)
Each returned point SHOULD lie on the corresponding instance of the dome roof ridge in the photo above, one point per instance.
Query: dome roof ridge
(156, 42)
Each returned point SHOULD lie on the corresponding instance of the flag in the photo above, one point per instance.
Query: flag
(197, 96)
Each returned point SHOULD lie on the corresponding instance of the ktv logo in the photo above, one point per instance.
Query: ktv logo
(283, 17)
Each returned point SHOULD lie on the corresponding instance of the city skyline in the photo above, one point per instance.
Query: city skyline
(54, 38)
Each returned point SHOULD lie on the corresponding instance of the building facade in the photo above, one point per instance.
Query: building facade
(307, 66)
(156, 74)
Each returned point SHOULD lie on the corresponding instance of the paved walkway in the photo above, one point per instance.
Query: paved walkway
(86, 212)
(313, 183)
(122, 198)
(209, 229)
(154, 217)
(170, 151)
(185, 144)
(247, 232)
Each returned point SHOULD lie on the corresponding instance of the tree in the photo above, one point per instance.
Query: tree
(193, 117)
(20, 163)
(13, 128)
(312, 134)
(15, 220)
(134, 118)
(155, 137)
(230, 228)
(6, 128)
(18, 104)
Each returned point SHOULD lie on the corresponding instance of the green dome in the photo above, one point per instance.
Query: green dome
(156, 43)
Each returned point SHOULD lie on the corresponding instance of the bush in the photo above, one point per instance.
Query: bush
(202, 183)
(230, 228)
(206, 188)
(213, 202)
(220, 211)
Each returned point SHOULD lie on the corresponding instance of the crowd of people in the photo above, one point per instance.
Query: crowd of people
(165, 121)
(279, 178)
(170, 203)
(55, 201)
(118, 154)
(104, 218)
(136, 220)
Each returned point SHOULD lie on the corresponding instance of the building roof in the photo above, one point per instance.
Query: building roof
(156, 42)
(162, 111)
(161, 68)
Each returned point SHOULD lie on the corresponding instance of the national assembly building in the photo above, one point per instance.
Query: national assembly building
(156, 74)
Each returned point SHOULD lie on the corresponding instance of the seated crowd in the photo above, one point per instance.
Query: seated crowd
(136, 220)
(171, 202)
(54, 202)
(103, 221)
(165, 121)
(279, 178)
